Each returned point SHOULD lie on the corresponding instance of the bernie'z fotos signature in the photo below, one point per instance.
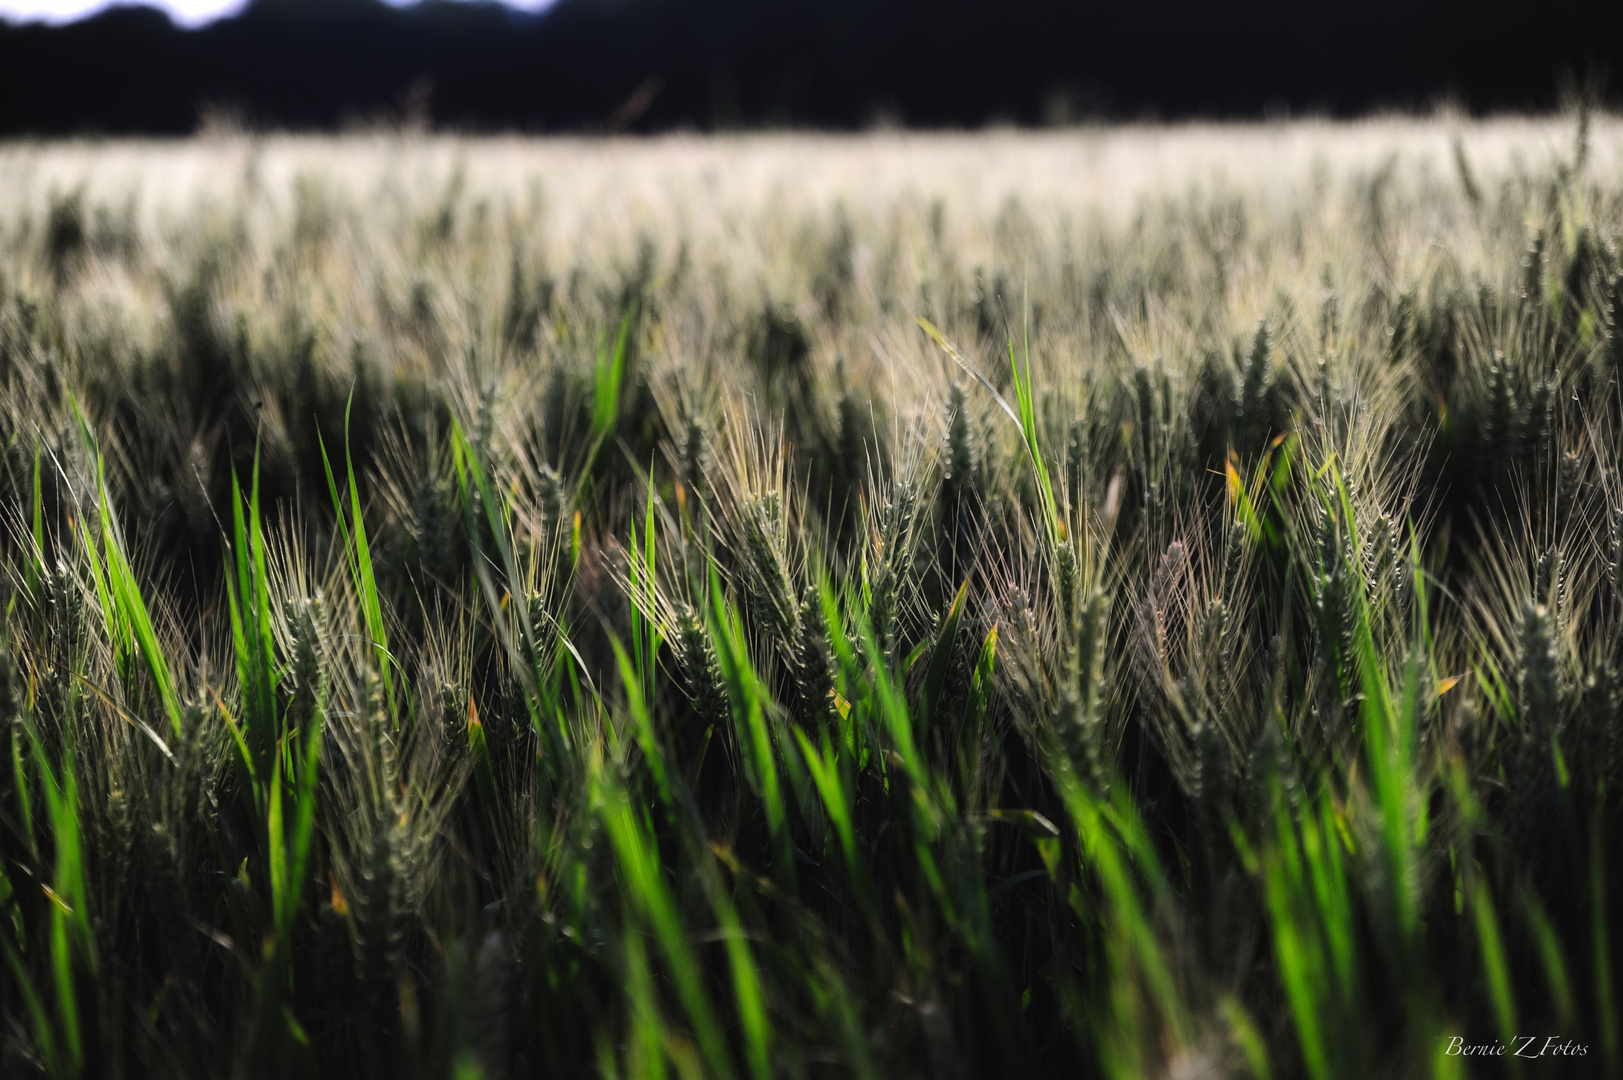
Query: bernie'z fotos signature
(1524, 1046)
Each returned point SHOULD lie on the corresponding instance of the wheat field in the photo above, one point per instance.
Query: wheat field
(1122, 602)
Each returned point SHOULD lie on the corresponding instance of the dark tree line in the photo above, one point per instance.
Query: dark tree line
(648, 65)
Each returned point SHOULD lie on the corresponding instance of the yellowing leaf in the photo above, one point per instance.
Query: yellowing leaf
(340, 906)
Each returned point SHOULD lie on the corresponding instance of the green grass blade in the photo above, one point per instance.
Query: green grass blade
(747, 989)
(1495, 963)
(941, 656)
(653, 754)
(358, 553)
(1553, 959)
(644, 884)
(750, 703)
(610, 379)
(825, 773)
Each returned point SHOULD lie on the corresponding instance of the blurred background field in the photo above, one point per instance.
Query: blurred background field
(1115, 601)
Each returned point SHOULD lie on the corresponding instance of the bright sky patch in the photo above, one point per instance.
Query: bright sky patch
(190, 13)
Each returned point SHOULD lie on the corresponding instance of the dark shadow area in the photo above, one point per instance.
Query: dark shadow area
(651, 65)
